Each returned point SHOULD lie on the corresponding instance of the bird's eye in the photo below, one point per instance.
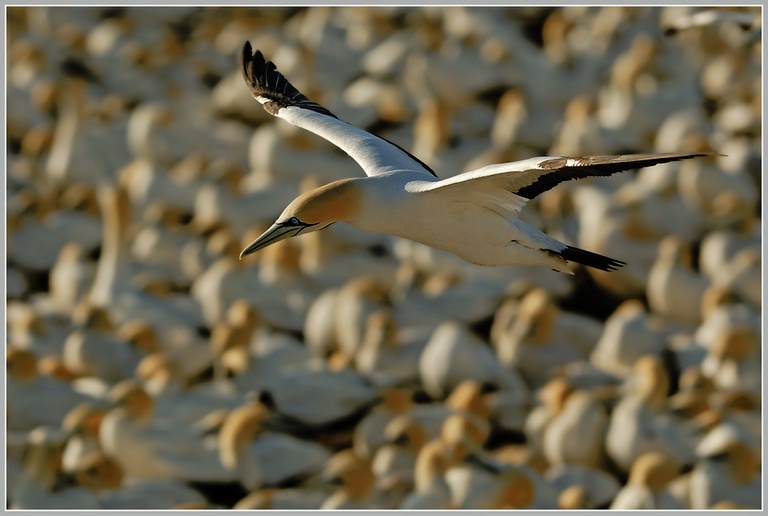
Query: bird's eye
(293, 221)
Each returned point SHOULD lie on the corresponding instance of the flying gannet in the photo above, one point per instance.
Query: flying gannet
(473, 215)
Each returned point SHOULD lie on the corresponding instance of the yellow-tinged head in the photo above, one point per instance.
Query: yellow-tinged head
(238, 430)
(98, 472)
(312, 211)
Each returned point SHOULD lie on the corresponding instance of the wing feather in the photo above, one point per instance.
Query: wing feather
(523, 180)
(280, 98)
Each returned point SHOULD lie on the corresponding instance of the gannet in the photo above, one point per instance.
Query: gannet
(369, 435)
(34, 399)
(473, 215)
(582, 487)
(649, 477)
(640, 422)
(394, 461)
(431, 491)
(575, 435)
(259, 457)
(453, 354)
(40, 485)
(103, 475)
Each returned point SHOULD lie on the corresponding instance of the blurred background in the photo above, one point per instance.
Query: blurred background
(148, 367)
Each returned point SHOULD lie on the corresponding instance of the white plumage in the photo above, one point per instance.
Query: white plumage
(473, 215)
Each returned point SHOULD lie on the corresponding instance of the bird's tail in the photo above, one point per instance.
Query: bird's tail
(597, 261)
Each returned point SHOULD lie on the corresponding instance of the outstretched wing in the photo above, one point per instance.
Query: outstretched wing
(510, 185)
(374, 154)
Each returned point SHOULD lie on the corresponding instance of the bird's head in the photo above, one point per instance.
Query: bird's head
(312, 211)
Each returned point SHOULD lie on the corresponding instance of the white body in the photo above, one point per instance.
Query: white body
(400, 204)
(473, 215)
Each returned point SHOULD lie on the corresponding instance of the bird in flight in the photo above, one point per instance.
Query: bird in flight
(473, 215)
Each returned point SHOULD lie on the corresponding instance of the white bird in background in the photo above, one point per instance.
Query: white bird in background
(473, 215)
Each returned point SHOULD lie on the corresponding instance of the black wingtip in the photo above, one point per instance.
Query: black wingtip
(246, 60)
(265, 82)
(594, 260)
(562, 168)
(251, 61)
